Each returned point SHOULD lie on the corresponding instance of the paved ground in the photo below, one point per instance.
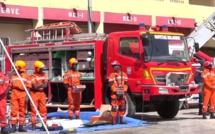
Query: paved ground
(186, 122)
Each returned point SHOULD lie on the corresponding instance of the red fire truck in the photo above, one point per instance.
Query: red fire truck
(157, 63)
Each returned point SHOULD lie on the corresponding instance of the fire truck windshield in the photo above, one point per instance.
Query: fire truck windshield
(165, 48)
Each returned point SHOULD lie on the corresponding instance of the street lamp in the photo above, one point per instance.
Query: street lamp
(89, 16)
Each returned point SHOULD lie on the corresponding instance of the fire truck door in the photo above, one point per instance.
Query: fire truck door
(130, 58)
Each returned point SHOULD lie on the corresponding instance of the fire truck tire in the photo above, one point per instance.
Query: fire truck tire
(130, 106)
(167, 109)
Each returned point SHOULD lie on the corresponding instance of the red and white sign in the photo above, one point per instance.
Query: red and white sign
(177, 22)
(120, 18)
(13, 11)
(69, 14)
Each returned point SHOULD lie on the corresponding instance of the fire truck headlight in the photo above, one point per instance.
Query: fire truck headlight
(163, 90)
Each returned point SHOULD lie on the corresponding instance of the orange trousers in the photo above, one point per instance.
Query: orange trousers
(118, 102)
(18, 106)
(39, 99)
(209, 96)
(74, 100)
(3, 110)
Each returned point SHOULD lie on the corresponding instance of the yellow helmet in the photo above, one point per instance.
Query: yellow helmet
(38, 65)
(73, 61)
(20, 65)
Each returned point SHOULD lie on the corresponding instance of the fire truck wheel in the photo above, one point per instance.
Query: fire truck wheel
(130, 106)
(167, 109)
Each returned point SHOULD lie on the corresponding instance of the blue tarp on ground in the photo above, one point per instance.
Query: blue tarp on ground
(85, 116)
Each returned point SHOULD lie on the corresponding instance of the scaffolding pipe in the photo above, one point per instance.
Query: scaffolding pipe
(89, 16)
(5, 50)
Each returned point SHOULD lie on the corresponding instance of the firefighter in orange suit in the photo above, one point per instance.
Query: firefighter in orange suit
(3, 105)
(208, 77)
(119, 85)
(19, 97)
(39, 83)
(72, 79)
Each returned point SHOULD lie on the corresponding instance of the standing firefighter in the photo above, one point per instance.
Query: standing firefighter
(71, 80)
(119, 86)
(199, 81)
(208, 77)
(39, 83)
(3, 88)
(19, 96)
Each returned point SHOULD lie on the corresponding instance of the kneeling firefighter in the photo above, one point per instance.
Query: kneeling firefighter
(71, 80)
(208, 76)
(39, 83)
(19, 97)
(118, 82)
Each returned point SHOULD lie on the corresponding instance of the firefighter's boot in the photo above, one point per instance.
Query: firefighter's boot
(13, 129)
(212, 116)
(200, 109)
(113, 121)
(4, 131)
(122, 120)
(33, 127)
(204, 115)
(22, 129)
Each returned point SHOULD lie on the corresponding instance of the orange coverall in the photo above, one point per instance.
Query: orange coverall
(121, 78)
(72, 78)
(208, 77)
(4, 80)
(18, 96)
(38, 97)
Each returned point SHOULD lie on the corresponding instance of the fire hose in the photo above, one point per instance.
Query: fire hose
(6, 52)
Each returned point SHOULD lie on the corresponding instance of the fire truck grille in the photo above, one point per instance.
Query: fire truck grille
(177, 79)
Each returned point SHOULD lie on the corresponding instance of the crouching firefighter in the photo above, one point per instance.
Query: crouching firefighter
(71, 80)
(118, 82)
(3, 105)
(19, 96)
(208, 76)
(39, 83)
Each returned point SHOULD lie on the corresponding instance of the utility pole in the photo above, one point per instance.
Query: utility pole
(89, 16)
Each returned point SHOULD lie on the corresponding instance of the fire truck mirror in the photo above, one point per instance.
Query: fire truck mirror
(196, 46)
(145, 39)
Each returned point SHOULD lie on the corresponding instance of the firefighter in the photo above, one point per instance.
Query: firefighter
(39, 83)
(199, 81)
(19, 97)
(118, 82)
(4, 80)
(208, 76)
(72, 79)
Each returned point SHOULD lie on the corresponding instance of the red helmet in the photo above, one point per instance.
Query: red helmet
(115, 63)
(207, 63)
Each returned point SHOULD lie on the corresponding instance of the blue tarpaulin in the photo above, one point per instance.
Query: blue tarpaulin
(85, 117)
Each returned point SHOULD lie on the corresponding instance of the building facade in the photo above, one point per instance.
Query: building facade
(107, 16)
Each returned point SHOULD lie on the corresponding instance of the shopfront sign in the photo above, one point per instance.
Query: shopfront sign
(122, 18)
(13, 11)
(177, 22)
(69, 14)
